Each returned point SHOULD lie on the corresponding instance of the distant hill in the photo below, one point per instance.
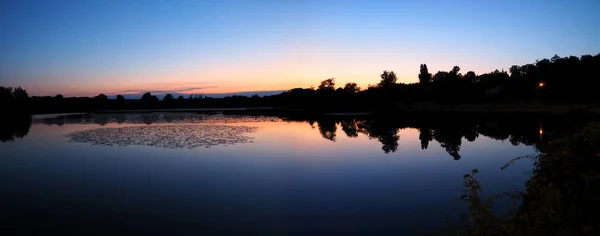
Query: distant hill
(214, 95)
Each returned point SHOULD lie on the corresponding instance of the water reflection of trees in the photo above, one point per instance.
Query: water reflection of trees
(15, 127)
(327, 128)
(384, 131)
(350, 128)
(103, 119)
(450, 131)
(426, 136)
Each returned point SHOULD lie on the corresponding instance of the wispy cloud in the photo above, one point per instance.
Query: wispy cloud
(180, 90)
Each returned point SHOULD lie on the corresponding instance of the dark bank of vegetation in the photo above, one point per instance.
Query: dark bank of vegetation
(568, 80)
(557, 80)
(15, 120)
(562, 197)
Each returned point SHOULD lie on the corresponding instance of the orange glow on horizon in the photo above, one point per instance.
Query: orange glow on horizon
(299, 66)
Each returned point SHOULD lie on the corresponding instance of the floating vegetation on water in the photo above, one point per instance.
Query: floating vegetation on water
(166, 136)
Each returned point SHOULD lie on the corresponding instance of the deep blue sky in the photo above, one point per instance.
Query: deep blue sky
(84, 47)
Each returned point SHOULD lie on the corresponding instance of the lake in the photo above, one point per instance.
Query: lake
(215, 174)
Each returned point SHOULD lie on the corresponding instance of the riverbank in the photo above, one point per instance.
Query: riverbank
(554, 108)
(551, 108)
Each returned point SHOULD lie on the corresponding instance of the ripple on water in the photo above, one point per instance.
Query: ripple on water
(166, 136)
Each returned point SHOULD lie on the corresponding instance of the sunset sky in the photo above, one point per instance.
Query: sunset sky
(87, 47)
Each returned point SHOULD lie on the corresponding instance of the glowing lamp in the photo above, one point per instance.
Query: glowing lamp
(541, 84)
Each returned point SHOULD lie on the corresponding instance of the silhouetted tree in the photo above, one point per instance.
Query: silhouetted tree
(6, 95)
(180, 101)
(169, 101)
(14, 101)
(147, 100)
(440, 77)
(470, 77)
(20, 95)
(351, 88)
(424, 75)
(147, 97)
(120, 101)
(101, 101)
(327, 85)
(101, 97)
(455, 70)
(154, 101)
(168, 98)
(388, 78)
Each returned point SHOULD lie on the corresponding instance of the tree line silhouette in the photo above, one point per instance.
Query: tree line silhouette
(567, 79)
(559, 79)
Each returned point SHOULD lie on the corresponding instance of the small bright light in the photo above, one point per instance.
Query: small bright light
(542, 84)
(541, 131)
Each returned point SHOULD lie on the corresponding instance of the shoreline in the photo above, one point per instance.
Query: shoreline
(548, 108)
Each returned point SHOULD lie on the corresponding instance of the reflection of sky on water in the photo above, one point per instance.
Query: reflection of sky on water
(148, 118)
(288, 180)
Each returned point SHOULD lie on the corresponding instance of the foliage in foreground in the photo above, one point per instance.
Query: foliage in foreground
(562, 198)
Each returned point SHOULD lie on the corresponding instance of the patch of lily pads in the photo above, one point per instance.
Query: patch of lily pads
(166, 136)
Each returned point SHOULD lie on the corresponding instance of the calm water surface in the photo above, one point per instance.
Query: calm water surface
(184, 174)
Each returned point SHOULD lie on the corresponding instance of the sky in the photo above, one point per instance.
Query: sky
(83, 48)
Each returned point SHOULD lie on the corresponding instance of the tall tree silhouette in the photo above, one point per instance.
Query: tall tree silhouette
(424, 75)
